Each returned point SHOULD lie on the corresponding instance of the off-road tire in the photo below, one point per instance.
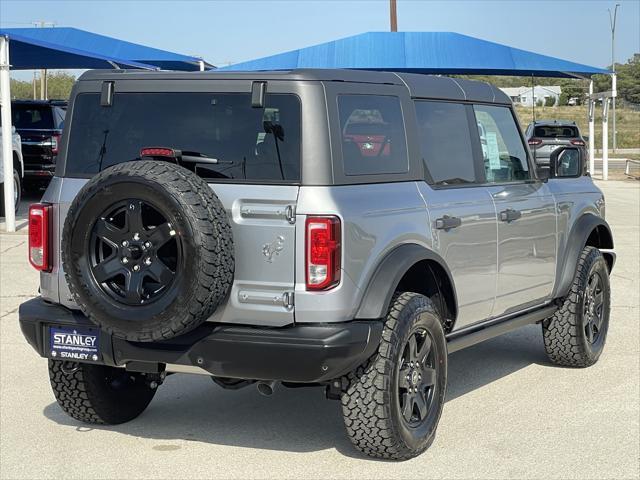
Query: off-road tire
(83, 393)
(565, 339)
(202, 227)
(369, 401)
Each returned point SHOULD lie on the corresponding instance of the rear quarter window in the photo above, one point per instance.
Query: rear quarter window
(372, 135)
(32, 117)
(250, 144)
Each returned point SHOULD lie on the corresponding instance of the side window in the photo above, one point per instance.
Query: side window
(505, 158)
(373, 137)
(445, 142)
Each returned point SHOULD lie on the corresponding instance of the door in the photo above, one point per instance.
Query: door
(525, 213)
(462, 216)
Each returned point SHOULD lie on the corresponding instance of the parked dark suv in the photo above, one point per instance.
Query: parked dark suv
(39, 123)
(544, 136)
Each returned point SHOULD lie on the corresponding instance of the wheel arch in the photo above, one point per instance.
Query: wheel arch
(412, 268)
(588, 230)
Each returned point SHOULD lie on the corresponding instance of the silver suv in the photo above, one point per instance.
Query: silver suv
(341, 228)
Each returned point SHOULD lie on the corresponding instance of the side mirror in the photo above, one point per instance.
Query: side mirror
(566, 162)
(13, 129)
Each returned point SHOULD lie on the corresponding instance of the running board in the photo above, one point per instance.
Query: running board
(493, 328)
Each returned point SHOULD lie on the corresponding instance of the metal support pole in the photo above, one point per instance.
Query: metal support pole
(592, 140)
(605, 139)
(7, 147)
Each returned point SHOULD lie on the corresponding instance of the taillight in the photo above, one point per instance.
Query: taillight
(577, 143)
(55, 144)
(39, 241)
(535, 141)
(323, 252)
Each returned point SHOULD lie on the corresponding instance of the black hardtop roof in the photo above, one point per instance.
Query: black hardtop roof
(419, 85)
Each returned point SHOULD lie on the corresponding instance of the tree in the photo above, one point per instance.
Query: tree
(628, 83)
(59, 86)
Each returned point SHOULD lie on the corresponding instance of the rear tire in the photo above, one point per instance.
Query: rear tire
(576, 334)
(384, 416)
(97, 393)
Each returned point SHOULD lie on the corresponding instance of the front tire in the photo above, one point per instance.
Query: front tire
(576, 334)
(99, 394)
(392, 404)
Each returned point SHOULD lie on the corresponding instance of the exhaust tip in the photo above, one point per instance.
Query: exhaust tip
(266, 388)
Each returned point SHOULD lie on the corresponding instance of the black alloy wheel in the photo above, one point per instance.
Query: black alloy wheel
(593, 308)
(417, 378)
(135, 254)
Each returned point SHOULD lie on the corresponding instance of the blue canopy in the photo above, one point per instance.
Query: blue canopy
(421, 52)
(70, 48)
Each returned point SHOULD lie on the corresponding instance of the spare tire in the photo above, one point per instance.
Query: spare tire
(147, 250)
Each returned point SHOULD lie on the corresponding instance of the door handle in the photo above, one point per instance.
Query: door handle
(509, 215)
(446, 223)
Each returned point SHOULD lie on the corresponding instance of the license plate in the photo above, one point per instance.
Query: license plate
(81, 344)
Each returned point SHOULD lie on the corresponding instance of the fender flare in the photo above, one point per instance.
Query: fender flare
(576, 241)
(377, 296)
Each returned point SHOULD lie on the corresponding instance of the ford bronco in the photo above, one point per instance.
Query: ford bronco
(340, 228)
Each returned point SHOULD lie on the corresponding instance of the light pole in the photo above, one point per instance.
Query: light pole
(612, 22)
(393, 15)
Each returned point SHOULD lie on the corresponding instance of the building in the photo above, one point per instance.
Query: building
(527, 96)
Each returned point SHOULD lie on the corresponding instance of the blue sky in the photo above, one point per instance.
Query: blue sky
(231, 31)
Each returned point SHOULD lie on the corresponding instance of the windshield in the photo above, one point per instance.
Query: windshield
(552, 131)
(245, 143)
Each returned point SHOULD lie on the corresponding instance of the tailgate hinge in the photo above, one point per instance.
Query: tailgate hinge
(288, 300)
(290, 213)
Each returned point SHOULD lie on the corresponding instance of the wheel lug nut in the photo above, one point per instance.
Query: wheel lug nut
(136, 236)
(147, 244)
(125, 260)
(125, 243)
(147, 261)
(136, 268)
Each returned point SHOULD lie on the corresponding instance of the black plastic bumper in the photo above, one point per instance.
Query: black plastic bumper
(301, 353)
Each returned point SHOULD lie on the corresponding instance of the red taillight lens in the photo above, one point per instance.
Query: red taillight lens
(157, 152)
(55, 144)
(39, 236)
(323, 252)
(577, 143)
(535, 141)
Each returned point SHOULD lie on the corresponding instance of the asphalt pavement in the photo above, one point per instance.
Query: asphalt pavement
(509, 413)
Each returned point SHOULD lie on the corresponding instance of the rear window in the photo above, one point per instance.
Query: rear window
(373, 137)
(34, 117)
(253, 144)
(556, 131)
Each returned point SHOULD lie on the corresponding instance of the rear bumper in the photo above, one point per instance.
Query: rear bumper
(306, 354)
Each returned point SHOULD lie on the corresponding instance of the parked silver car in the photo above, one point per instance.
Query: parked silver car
(545, 136)
(328, 227)
(18, 171)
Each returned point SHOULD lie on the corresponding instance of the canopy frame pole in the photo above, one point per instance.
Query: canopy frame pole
(7, 135)
(592, 140)
(605, 138)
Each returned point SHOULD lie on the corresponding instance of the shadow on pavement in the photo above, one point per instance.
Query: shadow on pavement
(193, 408)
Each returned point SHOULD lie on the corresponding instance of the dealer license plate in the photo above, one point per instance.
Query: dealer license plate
(81, 344)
